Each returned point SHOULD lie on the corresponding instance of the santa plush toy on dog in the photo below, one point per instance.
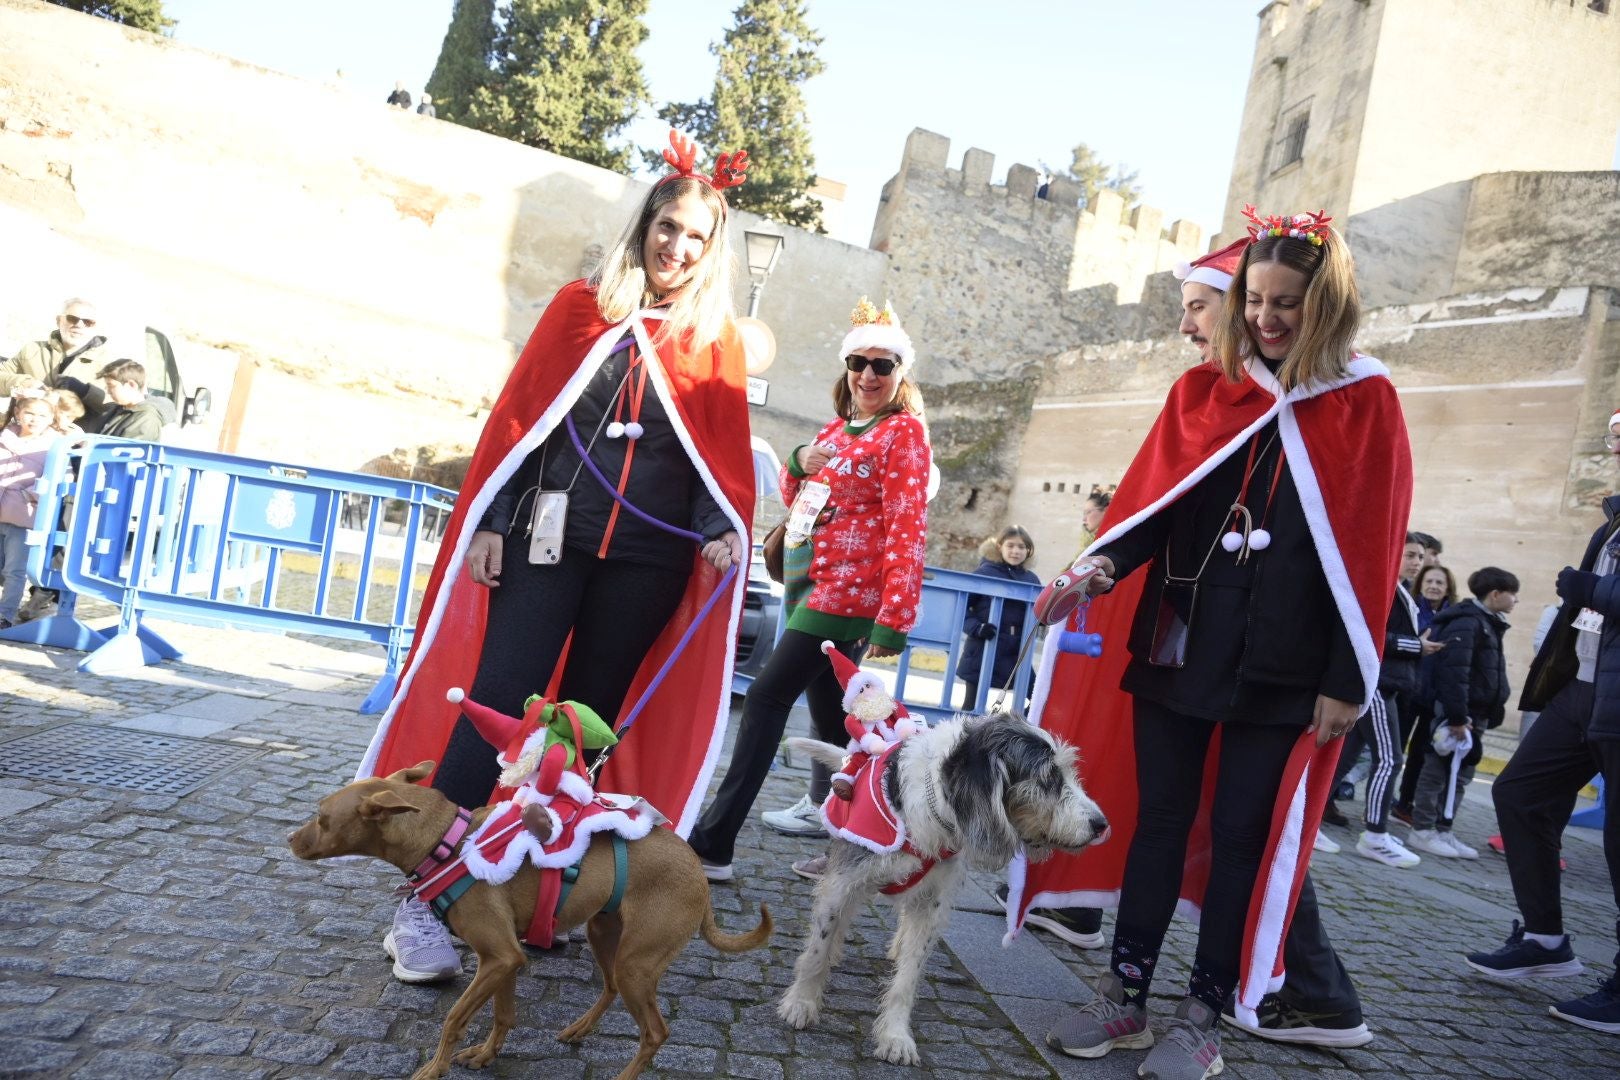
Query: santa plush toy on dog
(874, 720)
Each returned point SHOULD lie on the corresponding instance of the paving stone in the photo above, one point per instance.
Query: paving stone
(221, 1040)
(127, 1065)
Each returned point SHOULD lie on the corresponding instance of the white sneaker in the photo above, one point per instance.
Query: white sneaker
(716, 871)
(1458, 848)
(1384, 848)
(1432, 842)
(803, 818)
(1325, 843)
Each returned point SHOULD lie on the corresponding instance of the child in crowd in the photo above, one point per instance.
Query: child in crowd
(26, 437)
(68, 408)
(1470, 692)
(1009, 557)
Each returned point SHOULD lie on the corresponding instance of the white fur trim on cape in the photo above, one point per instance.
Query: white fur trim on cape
(548, 422)
(874, 783)
(576, 787)
(1018, 879)
(526, 846)
(1275, 898)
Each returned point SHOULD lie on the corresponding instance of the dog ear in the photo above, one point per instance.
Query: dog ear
(384, 804)
(415, 774)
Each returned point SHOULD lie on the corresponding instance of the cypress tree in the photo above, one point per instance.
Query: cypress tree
(140, 14)
(464, 59)
(757, 104)
(562, 76)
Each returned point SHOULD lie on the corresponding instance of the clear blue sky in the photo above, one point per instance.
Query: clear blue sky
(1156, 84)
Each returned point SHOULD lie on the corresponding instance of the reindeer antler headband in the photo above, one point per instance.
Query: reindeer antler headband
(730, 170)
(1312, 228)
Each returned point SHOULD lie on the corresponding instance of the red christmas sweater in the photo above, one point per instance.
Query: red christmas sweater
(866, 562)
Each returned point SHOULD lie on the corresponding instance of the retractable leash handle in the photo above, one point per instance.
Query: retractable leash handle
(1063, 594)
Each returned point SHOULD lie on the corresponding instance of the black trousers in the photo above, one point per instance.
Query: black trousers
(615, 610)
(1378, 729)
(1416, 741)
(1316, 979)
(1170, 753)
(798, 666)
(1535, 796)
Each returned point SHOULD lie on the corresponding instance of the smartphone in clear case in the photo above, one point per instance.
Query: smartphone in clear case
(1177, 599)
(546, 527)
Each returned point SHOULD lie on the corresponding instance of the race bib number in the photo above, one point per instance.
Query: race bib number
(1590, 621)
(807, 507)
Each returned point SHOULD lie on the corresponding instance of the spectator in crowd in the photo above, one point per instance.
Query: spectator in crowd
(401, 97)
(1574, 682)
(1009, 557)
(73, 350)
(27, 435)
(630, 387)
(1470, 692)
(1435, 590)
(68, 409)
(127, 412)
(1432, 548)
(1091, 517)
(852, 563)
(426, 108)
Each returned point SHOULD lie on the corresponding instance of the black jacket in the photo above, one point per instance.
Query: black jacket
(1402, 649)
(1555, 665)
(1470, 674)
(1009, 635)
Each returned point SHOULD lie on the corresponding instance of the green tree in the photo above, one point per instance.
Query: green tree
(562, 75)
(141, 14)
(464, 59)
(1094, 175)
(757, 105)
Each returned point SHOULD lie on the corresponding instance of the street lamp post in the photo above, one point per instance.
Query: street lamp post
(763, 250)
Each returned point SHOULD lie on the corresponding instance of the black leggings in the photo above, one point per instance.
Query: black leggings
(615, 609)
(798, 666)
(1170, 754)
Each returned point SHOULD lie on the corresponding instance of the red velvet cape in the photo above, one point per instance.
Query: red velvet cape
(1348, 453)
(670, 752)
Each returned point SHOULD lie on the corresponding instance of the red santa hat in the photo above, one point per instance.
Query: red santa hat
(870, 328)
(1614, 419)
(507, 734)
(850, 677)
(1215, 269)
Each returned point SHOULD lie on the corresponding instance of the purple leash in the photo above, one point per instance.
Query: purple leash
(703, 612)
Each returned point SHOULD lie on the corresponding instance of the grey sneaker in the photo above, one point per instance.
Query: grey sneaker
(420, 946)
(813, 868)
(803, 818)
(1190, 1048)
(1101, 1024)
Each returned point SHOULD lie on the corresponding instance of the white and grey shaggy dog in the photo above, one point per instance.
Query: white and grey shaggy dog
(981, 787)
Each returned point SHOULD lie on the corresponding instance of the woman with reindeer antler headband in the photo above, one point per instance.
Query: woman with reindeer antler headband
(546, 581)
(1243, 577)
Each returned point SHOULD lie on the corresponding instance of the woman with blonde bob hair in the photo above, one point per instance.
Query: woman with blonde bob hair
(610, 491)
(1251, 551)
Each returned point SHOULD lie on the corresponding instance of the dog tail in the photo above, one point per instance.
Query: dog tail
(826, 753)
(737, 943)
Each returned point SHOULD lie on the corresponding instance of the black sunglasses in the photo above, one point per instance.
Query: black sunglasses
(882, 365)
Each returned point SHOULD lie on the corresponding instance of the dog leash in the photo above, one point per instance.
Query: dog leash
(720, 590)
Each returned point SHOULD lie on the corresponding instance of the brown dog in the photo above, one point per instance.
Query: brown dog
(666, 899)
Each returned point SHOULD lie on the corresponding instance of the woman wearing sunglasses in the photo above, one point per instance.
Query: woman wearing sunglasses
(853, 561)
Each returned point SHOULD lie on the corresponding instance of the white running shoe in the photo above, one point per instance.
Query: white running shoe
(1324, 843)
(1458, 848)
(1432, 842)
(716, 871)
(1384, 848)
(803, 818)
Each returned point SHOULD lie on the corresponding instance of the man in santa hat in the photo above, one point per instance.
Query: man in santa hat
(1575, 682)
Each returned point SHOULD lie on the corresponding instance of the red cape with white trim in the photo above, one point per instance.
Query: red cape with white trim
(671, 751)
(1350, 459)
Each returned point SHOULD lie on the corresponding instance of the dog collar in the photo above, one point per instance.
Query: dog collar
(446, 847)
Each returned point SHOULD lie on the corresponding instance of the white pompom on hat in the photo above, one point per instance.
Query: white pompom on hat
(874, 329)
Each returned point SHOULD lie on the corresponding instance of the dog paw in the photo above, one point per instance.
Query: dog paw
(431, 1071)
(898, 1049)
(474, 1057)
(575, 1032)
(797, 1012)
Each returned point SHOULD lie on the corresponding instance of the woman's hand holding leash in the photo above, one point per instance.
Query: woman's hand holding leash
(1103, 579)
(877, 652)
(484, 558)
(1333, 718)
(724, 552)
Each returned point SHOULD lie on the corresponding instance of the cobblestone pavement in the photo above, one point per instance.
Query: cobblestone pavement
(149, 935)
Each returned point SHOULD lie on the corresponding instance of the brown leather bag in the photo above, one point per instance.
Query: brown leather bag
(771, 549)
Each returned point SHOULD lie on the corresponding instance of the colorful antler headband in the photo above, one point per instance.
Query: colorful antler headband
(730, 170)
(1309, 227)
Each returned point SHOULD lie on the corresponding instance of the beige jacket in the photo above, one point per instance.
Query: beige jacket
(37, 361)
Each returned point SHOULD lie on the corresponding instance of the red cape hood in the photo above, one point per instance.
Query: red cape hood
(669, 754)
(1348, 453)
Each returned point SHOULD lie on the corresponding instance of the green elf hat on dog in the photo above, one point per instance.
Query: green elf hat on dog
(522, 745)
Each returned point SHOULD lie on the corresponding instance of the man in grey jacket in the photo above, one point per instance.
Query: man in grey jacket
(73, 350)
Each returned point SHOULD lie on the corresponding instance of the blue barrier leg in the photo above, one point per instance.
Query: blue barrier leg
(155, 642)
(1592, 817)
(380, 695)
(124, 651)
(60, 631)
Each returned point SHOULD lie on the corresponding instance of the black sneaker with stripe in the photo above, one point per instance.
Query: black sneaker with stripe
(1280, 1021)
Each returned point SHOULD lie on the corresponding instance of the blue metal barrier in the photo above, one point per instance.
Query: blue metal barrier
(203, 538)
(1592, 816)
(946, 595)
